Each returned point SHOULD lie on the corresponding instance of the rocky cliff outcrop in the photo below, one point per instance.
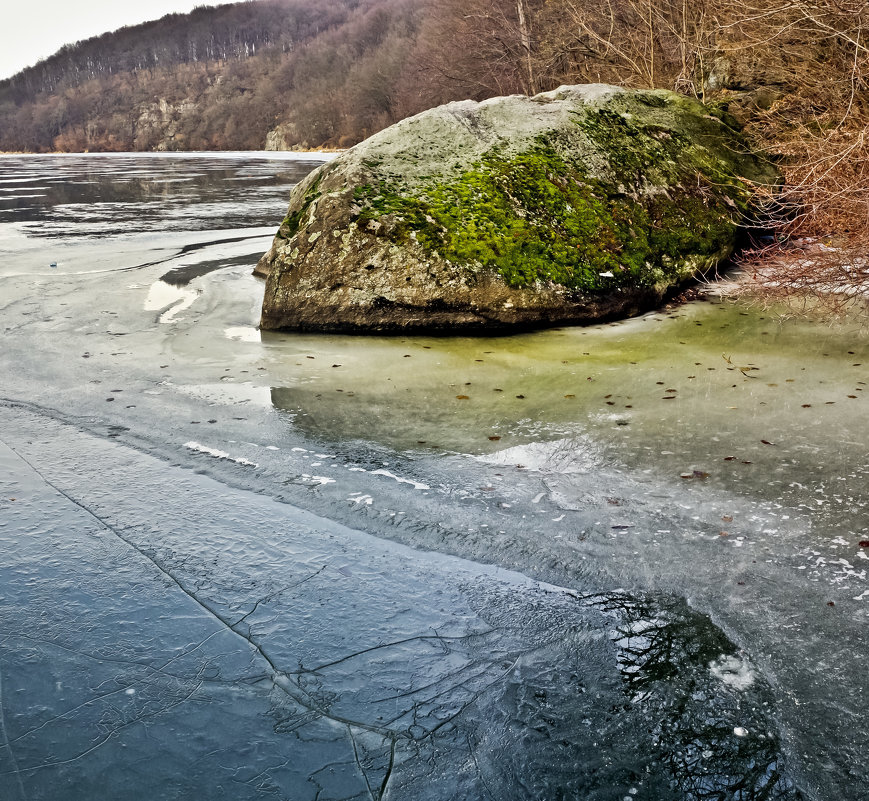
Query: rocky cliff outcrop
(160, 123)
(584, 203)
(284, 137)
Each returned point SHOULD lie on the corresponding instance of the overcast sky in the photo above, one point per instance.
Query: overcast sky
(33, 29)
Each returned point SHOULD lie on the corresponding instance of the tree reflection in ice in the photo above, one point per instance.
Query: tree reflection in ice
(706, 706)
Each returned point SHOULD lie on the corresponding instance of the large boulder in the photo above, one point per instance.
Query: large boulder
(584, 203)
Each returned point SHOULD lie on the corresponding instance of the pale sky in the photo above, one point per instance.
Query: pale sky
(34, 29)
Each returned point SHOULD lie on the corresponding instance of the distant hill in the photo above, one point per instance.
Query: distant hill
(287, 73)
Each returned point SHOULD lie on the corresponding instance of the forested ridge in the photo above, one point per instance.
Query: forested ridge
(218, 78)
(331, 72)
(227, 33)
(302, 74)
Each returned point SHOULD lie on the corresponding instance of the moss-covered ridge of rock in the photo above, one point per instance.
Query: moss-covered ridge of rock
(662, 207)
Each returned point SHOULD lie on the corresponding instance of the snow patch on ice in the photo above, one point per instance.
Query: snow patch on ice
(162, 295)
(242, 333)
(834, 571)
(733, 671)
(570, 455)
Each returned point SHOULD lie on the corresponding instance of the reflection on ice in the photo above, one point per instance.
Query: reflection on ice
(279, 654)
(225, 392)
(172, 298)
(714, 741)
(242, 333)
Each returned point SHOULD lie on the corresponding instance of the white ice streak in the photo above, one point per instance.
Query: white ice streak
(399, 479)
(218, 454)
(321, 480)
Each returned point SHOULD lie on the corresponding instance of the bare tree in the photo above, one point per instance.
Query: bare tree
(525, 40)
(818, 130)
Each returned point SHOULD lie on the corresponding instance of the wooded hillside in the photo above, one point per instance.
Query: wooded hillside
(220, 78)
(332, 72)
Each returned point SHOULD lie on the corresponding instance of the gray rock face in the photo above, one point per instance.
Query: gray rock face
(584, 203)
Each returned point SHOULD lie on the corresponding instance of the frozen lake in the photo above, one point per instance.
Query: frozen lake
(615, 562)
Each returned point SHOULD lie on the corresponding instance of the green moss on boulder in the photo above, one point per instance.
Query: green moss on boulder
(574, 205)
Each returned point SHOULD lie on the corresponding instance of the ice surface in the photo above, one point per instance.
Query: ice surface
(357, 584)
(230, 641)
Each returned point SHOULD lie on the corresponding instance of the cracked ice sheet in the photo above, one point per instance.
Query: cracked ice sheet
(166, 636)
(114, 684)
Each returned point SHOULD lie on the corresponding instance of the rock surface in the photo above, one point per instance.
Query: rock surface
(284, 137)
(585, 203)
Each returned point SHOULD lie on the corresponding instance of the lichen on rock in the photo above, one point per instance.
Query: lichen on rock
(584, 203)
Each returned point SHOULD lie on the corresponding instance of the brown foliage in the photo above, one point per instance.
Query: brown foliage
(817, 52)
(477, 49)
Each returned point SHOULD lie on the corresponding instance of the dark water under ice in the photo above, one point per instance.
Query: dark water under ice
(617, 562)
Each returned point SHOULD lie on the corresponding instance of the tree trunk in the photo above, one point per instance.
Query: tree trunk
(525, 36)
